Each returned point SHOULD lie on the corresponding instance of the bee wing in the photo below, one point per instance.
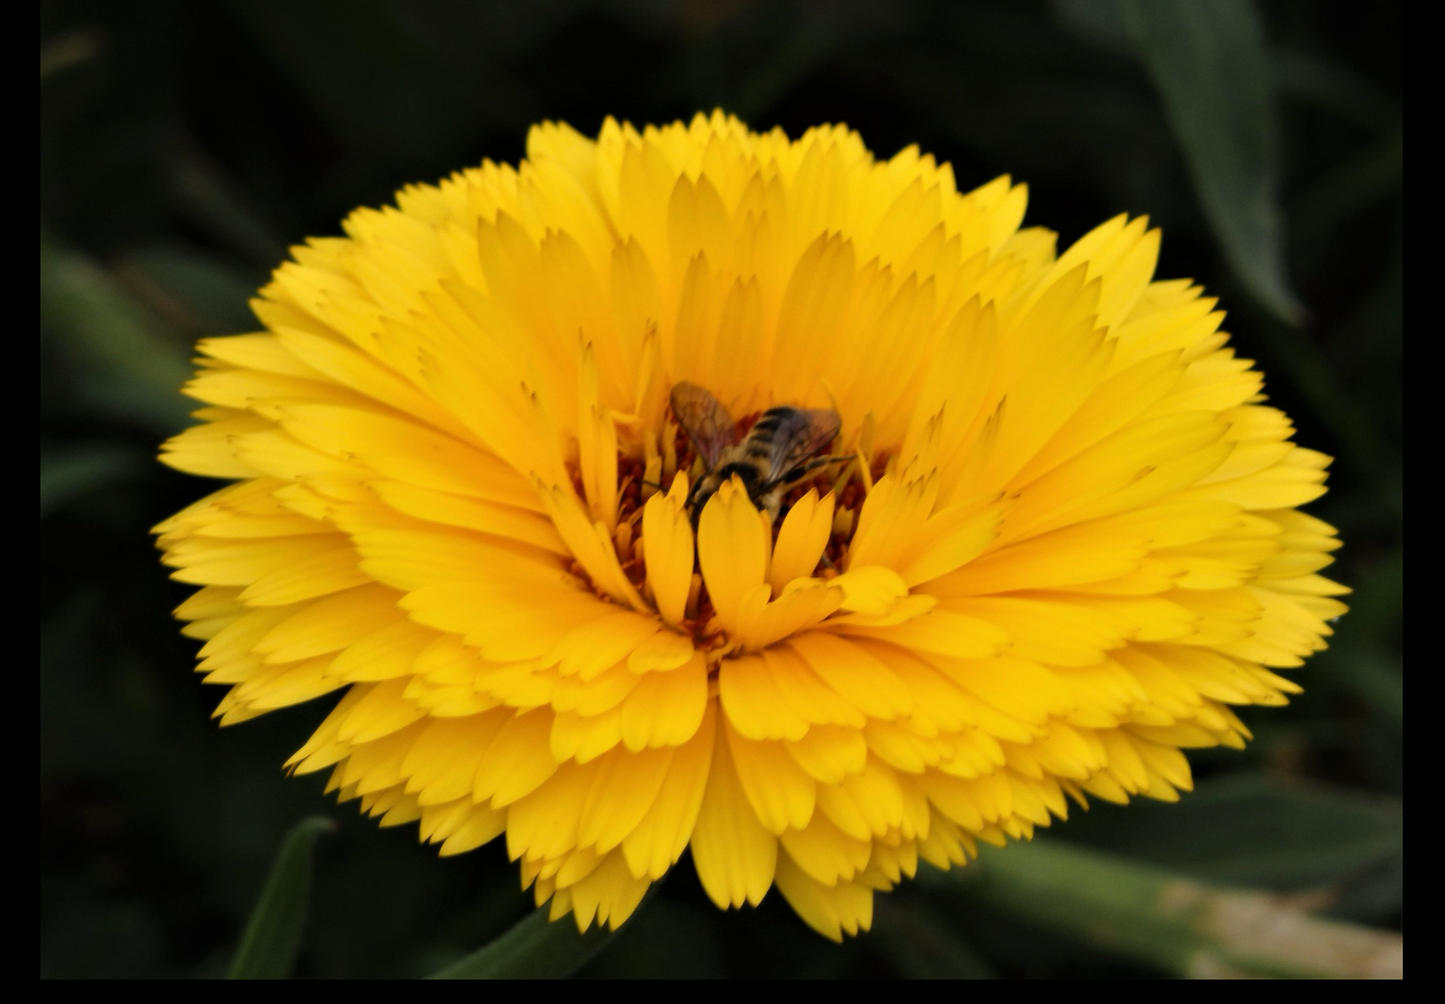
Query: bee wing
(706, 422)
(802, 435)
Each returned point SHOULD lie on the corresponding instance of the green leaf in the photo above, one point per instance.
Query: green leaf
(670, 940)
(534, 949)
(1166, 919)
(72, 49)
(1333, 84)
(920, 943)
(116, 342)
(1252, 829)
(68, 472)
(1355, 185)
(205, 192)
(273, 934)
(1209, 63)
(358, 65)
(198, 292)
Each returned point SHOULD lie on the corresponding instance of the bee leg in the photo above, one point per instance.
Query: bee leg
(817, 462)
(803, 470)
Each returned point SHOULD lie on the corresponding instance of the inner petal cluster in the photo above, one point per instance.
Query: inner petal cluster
(755, 579)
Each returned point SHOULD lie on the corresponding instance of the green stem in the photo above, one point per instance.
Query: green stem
(1165, 919)
(535, 948)
(273, 934)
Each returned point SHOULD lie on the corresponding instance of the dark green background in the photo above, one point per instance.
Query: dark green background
(184, 146)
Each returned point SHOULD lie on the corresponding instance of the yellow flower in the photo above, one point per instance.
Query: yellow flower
(1065, 543)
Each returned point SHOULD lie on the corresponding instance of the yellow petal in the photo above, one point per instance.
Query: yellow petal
(659, 839)
(753, 703)
(732, 550)
(668, 550)
(591, 544)
(801, 539)
(804, 603)
(853, 674)
(666, 709)
(832, 911)
(624, 788)
(734, 855)
(779, 791)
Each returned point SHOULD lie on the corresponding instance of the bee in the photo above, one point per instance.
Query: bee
(778, 451)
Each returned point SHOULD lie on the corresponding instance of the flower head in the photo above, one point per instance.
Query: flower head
(1052, 542)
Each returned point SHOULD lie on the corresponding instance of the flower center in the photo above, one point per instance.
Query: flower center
(643, 473)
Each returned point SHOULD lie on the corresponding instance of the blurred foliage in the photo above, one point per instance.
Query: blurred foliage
(274, 933)
(184, 145)
(535, 948)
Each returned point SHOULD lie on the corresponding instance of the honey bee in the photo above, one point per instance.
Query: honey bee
(778, 451)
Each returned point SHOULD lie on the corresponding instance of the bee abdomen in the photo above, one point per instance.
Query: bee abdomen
(747, 473)
(772, 418)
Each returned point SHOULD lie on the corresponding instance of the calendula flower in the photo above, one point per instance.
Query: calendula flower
(1053, 541)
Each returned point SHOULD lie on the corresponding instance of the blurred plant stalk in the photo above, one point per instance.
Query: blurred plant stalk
(1165, 919)
(273, 934)
(129, 363)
